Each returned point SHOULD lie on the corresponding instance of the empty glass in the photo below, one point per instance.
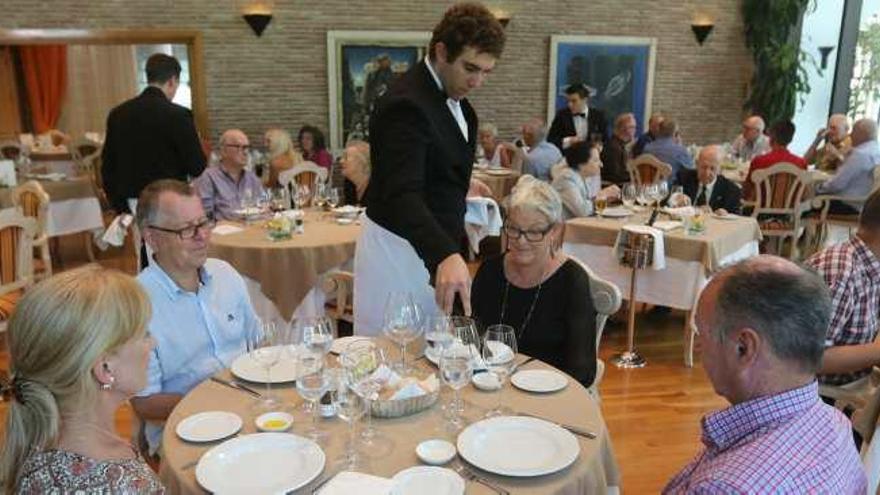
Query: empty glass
(280, 199)
(403, 323)
(333, 197)
(456, 371)
(499, 354)
(350, 407)
(464, 331)
(265, 349)
(300, 196)
(361, 359)
(439, 334)
(311, 385)
(628, 195)
(317, 335)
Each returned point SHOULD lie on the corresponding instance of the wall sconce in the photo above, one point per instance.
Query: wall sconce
(258, 15)
(825, 51)
(702, 25)
(502, 16)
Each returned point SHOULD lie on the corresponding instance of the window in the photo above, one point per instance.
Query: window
(143, 52)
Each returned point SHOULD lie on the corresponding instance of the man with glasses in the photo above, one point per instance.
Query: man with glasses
(229, 186)
(752, 142)
(202, 314)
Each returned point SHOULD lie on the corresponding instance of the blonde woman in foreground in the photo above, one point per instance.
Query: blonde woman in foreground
(78, 350)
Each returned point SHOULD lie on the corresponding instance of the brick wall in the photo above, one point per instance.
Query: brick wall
(280, 79)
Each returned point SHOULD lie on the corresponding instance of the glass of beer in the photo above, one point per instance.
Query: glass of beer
(601, 202)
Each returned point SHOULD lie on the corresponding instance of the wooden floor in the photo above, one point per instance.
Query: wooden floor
(653, 413)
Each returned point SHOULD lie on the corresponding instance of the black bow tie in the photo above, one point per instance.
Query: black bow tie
(582, 114)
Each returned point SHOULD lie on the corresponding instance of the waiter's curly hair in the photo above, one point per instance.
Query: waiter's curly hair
(468, 24)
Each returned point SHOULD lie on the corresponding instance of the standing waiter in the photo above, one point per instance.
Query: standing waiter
(422, 137)
(149, 138)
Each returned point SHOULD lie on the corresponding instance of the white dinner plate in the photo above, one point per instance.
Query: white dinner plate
(498, 171)
(341, 343)
(427, 480)
(542, 381)
(729, 216)
(260, 463)
(208, 426)
(247, 368)
(616, 212)
(518, 446)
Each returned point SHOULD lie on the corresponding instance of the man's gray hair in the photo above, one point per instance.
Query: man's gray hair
(788, 306)
(540, 128)
(538, 196)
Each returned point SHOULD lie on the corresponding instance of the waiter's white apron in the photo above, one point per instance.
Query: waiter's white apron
(383, 263)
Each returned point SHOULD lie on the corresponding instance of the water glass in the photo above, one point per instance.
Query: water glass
(499, 354)
(360, 360)
(265, 349)
(402, 323)
(439, 334)
(350, 407)
(316, 334)
(456, 371)
(628, 195)
(311, 385)
(280, 199)
(333, 197)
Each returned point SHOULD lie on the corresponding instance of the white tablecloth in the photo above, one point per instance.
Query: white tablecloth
(74, 215)
(677, 286)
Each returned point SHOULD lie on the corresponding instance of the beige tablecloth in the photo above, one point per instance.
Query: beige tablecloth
(287, 270)
(594, 469)
(721, 238)
(499, 184)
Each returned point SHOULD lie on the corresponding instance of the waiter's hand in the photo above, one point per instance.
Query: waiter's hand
(453, 277)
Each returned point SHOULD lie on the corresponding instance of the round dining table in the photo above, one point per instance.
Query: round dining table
(499, 180)
(286, 269)
(394, 448)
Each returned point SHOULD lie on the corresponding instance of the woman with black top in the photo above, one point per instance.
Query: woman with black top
(536, 289)
(355, 163)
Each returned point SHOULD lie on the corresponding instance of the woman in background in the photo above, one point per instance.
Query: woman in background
(311, 143)
(78, 349)
(355, 164)
(281, 154)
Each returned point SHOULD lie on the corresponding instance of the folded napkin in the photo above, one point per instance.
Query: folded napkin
(115, 233)
(408, 387)
(667, 225)
(659, 261)
(681, 211)
(224, 229)
(481, 219)
(348, 482)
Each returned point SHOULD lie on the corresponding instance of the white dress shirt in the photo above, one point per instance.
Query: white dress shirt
(453, 104)
(707, 188)
(580, 128)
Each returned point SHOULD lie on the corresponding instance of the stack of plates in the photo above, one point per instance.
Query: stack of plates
(518, 446)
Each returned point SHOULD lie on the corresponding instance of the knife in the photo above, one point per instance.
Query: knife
(574, 429)
(237, 386)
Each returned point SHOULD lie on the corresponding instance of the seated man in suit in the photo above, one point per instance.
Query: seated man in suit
(706, 185)
(577, 122)
(616, 154)
(668, 149)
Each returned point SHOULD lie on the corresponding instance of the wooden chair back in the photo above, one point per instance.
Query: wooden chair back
(647, 169)
(16, 250)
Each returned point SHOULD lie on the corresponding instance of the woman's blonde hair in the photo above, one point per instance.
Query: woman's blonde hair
(361, 153)
(280, 144)
(59, 330)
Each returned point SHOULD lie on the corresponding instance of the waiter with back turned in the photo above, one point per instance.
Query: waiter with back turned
(422, 142)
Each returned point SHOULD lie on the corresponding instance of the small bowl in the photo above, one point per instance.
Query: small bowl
(486, 381)
(274, 421)
(435, 452)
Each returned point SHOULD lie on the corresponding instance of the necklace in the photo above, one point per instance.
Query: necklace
(528, 317)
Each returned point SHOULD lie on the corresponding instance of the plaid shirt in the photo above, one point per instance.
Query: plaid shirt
(790, 442)
(852, 272)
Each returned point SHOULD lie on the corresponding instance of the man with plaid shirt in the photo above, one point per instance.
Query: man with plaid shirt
(777, 436)
(852, 272)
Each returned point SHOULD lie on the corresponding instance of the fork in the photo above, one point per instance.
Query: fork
(469, 475)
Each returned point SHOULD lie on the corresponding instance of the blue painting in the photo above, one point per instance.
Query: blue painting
(620, 69)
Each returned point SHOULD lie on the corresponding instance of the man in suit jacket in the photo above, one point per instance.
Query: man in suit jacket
(706, 185)
(577, 122)
(422, 143)
(150, 138)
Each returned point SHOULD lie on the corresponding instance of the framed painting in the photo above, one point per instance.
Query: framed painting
(360, 67)
(620, 69)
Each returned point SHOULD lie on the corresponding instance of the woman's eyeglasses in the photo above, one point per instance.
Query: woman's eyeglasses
(514, 233)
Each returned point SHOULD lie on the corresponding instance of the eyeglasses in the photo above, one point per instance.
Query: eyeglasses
(239, 147)
(515, 233)
(189, 231)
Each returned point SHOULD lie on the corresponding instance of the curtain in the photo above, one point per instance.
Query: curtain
(99, 78)
(45, 74)
(10, 117)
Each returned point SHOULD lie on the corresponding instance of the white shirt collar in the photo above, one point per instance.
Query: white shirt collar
(433, 74)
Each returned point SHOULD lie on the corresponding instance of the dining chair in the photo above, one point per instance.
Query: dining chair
(818, 223)
(779, 203)
(303, 173)
(647, 169)
(82, 150)
(10, 150)
(34, 202)
(338, 286)
(862, 397)
(16, 259)
(606, 299)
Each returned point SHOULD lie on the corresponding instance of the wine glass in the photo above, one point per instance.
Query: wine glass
(317, 335)
(300, 196)
(464, 331)
(499, 353)
(320, 197)
(456, 371)
(333, 197)
(311, 385)
(403, 323)
(361, 359)
(280, 199)
(439, 334)
(264, 349)
(629, 194)
(350, 407)
(247, 202)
